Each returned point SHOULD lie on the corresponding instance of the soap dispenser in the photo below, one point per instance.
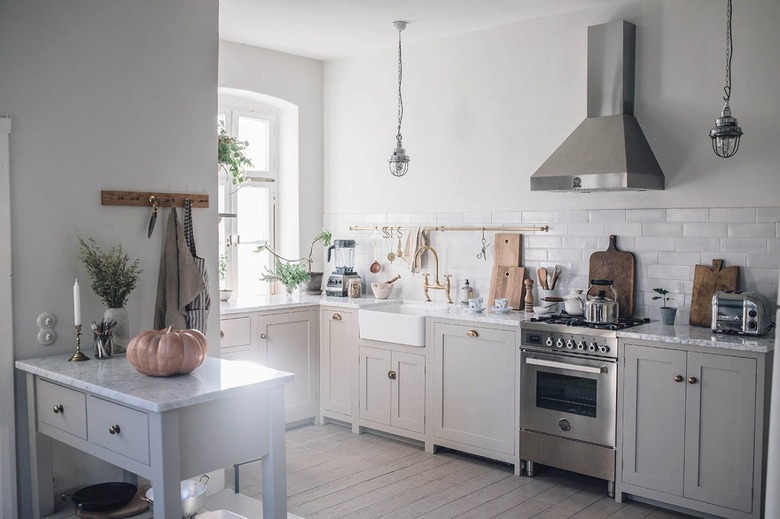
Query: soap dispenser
(466, 293)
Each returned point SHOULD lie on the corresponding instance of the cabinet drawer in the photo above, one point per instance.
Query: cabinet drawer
(235, 332)
(61, 408)
(119, 428)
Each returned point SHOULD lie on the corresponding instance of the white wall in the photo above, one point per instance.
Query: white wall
(299, 81)
(105, 94)
(484, 110)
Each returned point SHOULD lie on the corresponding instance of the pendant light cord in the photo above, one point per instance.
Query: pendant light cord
(729, 53)
(400, 99)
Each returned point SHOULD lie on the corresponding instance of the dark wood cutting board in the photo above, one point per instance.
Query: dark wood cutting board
(707, 281)
(507, 282)
(620, 267)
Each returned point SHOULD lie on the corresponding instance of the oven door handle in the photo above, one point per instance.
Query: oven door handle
(563, 365)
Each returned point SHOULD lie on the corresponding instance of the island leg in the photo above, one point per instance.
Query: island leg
(166, 463)
(273, 465)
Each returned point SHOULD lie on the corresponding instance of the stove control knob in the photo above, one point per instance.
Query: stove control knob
(559, 343)
(593, 346)
(604, 349)
(581, 345)
(549, 342)
(570, 344)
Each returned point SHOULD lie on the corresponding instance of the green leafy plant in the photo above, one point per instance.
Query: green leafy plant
(223, 265)
(231, 156)
(112, 275)
(291, 275)
(662, 294)
(324, 236)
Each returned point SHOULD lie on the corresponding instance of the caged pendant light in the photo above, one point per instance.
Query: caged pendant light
(399, 160)
(726, 134)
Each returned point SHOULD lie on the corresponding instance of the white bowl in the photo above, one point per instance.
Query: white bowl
(381, 290)
(542, 310)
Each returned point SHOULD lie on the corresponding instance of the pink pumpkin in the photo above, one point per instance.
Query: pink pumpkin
(162, 353)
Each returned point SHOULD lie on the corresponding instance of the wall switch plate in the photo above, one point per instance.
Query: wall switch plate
(47, 320)
(46, 337)
(46, 323)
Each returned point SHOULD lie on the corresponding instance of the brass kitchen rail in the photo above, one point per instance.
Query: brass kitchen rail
(443, 228)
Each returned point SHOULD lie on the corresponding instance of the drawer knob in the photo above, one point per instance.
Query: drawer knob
(391, 375)
(262, 336)
(221, 334)
(58, 409)
(472, 333)
(114, 429)
(692, 380)
(678, 378)
(337, 317)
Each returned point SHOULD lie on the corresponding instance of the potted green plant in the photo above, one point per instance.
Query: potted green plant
(224, 293)
(314, 283)
(668, 313)
(231, 156)
(113, 277)
(289, 274)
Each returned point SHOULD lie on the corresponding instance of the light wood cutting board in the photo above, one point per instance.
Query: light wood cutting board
(507, 282)
(620, 267)
(707, 281)
(508, 250)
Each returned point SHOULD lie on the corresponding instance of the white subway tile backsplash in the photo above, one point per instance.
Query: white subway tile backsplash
(557, 229)
(698, 244)
(376, 218)
(760, 260)
(607, 215)
(752, 230)
(773, 244)
(644, 258)
(623, 229)
(571, 216)
(565, 255)
(768, 214)
(687, 215)
(586, 229)
(514, 217)
(423, 218)
(449, 218)
(743, 245)
(669, 272)
(587, 243)
(679, 258)
(662, 229)
(538, 216)
(705, 229)
(759, 276)
(477, 218)
(400, 218)
(655, 243)
(646, 215)
(547, 242)
(731, 215)
(534, 254)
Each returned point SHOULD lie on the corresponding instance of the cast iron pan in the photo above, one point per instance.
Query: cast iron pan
(103, 496)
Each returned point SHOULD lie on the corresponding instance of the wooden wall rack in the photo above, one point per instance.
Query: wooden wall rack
(142, 198)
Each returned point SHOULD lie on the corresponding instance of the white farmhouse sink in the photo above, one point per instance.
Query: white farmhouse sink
(399, 324)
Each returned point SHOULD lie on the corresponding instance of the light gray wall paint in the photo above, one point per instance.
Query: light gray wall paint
(485, 109)
(299, 81)
(105, 94)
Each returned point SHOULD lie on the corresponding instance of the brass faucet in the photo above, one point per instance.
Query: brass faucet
(437, 284)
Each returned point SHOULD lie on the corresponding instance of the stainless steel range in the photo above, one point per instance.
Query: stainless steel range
(568, 399)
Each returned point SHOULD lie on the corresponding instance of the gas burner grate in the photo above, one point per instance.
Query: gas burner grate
(569, 320)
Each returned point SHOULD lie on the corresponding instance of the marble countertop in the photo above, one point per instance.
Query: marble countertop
(280, 302)
(700, 336)
(116, 379)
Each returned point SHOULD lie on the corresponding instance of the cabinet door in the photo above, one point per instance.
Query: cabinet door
(338, 338)
(408, 392)
(289, 342)
(474, 386)
(654, 418)
(375, 385)
(720, 432)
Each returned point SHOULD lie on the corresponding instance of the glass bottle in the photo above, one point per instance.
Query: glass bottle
(466, 293)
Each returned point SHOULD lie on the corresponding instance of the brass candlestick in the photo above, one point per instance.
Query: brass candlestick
(79, 355)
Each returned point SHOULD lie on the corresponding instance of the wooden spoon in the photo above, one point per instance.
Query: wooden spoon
(375, 266)
(541, 272)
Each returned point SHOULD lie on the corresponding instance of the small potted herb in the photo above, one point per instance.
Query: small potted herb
(668, 313)
(289, 274)
(314, 283)
(224, 293)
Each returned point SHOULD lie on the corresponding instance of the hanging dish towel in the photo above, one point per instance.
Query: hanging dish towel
(417, 238)
(198, 309)
(179, 282)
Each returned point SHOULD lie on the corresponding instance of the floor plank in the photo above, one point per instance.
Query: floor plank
(333, 473)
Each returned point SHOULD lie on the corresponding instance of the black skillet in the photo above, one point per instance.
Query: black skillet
(103, 497)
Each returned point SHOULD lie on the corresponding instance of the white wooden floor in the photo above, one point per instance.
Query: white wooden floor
(333, 473)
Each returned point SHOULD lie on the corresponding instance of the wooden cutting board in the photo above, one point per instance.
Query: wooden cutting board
(707, 281)
(508, 250)
(620, 267)
(507, 282)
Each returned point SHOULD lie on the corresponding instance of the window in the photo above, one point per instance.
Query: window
(248, 211)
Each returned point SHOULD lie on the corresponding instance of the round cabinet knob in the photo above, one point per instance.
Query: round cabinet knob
(58, 409)
(692, 380)
(549, 342)
(262, 336)
(337, 317)
(472, 333)
(391, 375)
(114, 429)
(678, 378)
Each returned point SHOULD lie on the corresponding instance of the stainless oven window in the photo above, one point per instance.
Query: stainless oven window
(565, 393)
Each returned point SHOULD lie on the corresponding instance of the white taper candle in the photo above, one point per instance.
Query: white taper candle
(76, 304)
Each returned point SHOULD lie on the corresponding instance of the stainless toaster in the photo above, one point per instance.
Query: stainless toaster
(747, 313)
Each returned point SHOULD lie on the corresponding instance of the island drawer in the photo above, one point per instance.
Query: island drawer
(119, 428)
(235, 331)
(61, 408)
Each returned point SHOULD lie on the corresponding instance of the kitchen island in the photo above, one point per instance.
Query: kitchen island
(162, 429)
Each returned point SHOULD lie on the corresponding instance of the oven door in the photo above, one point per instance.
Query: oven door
(569, 396)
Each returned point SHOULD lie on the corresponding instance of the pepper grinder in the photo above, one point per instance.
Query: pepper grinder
(529, 294)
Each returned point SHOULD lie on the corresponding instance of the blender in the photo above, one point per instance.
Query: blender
(338, 281)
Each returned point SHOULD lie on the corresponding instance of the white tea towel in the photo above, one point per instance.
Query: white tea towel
(417, 238)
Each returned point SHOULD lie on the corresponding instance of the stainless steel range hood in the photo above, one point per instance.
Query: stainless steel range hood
(608, 150)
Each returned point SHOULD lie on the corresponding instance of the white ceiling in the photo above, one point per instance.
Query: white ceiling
(329, 29)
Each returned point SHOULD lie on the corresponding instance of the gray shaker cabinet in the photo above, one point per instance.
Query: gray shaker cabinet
(690, 433)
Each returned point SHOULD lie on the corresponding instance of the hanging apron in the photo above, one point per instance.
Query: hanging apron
(198, 309)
